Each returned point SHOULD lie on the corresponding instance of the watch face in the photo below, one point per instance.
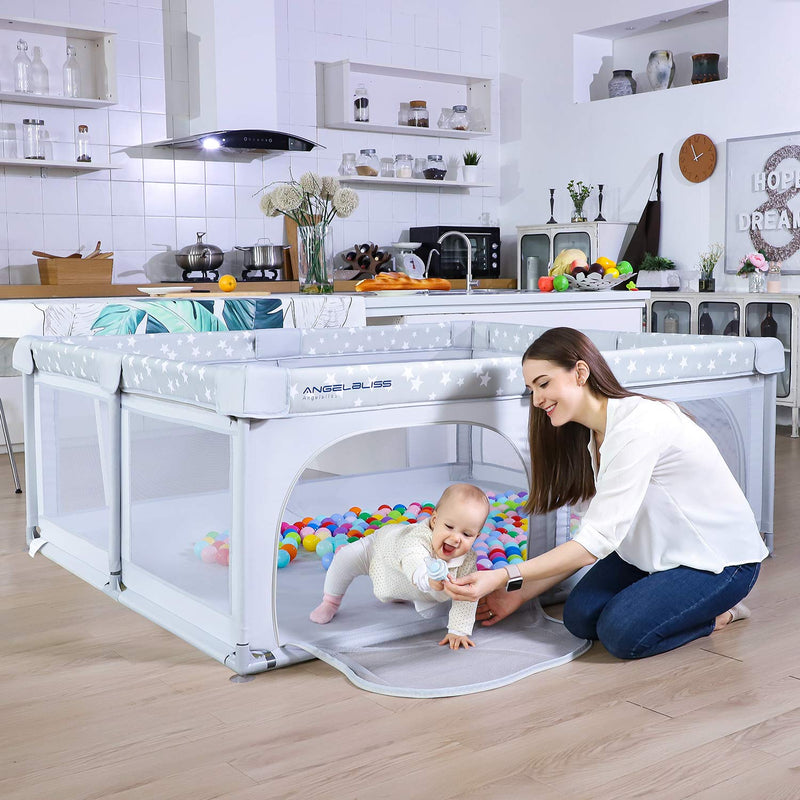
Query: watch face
(697, 158)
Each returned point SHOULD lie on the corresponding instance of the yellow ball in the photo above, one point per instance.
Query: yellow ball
(606, 263)
(310, 542)
(227, 283)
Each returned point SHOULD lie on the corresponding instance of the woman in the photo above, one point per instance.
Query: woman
(673, 540)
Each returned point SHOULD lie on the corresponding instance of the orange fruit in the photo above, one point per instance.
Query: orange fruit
(227, 283)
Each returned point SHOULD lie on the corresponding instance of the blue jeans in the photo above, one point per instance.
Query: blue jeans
(635, 614)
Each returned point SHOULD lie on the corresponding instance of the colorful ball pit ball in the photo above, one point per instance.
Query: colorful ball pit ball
(283, 559)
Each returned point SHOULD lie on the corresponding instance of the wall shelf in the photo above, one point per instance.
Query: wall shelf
(417, 183)
(95, 49)
(697, 28)
(390, 86)
(46, 164)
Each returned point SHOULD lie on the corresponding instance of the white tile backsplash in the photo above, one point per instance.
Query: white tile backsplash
(128, 232)
(127, 198)
(94, 197)
(220, 201)
(159, 200)
(25, 232)
(61, 235)
(93, 229)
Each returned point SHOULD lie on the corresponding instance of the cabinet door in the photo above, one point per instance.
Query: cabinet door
(773, 319)
(567, 240)
(670, 316)
(534, 246)
(719, 318)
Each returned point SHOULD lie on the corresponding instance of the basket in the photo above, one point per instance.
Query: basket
(75, 270)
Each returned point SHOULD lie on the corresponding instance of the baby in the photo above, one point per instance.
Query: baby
(396, 558)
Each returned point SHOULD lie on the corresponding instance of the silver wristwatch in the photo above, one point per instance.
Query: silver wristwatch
(514, 578)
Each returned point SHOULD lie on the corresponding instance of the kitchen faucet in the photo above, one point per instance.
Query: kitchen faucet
(469, 254)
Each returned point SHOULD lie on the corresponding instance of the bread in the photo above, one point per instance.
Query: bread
(386, 281)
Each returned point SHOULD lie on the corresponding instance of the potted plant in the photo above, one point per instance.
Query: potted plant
(470, 168)
(657, 272)
(708, 260)
(578, 191)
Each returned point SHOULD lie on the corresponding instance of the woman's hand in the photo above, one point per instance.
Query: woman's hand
(476, 585)
(498, 605)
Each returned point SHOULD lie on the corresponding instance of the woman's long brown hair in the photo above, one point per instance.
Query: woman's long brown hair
(561, 470)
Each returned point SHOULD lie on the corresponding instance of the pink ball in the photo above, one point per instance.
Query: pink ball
(223, 556)
(209, 554)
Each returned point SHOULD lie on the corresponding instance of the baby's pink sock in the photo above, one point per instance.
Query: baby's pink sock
(327, 609)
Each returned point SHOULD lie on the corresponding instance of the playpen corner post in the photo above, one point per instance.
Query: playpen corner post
(29, 448)
(768, 468)
(113, 475)
(238, 538)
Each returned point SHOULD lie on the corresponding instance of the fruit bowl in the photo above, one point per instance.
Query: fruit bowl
(594, 282)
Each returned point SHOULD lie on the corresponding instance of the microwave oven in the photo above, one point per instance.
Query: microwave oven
(449, 259)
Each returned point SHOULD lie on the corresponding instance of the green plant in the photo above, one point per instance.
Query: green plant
(579, 191)
(651, 263)
(471, 158)
(708, 260)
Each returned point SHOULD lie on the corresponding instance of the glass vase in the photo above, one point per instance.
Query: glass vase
(755, 281)
(315, 260)
(706, 285)
(577, 213)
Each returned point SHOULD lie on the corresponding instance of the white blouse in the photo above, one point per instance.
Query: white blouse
(664, 495)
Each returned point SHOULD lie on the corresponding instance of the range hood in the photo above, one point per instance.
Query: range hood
(247, 140)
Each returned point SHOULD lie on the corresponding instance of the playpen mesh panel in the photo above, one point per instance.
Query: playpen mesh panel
(180, 490)
(75, 491)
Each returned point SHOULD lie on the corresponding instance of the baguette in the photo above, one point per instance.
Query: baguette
(386, 281)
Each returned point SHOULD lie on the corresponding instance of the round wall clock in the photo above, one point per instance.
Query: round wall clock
(697, 158)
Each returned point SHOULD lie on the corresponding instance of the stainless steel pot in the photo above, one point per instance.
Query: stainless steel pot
(199, 255)
(264, 255)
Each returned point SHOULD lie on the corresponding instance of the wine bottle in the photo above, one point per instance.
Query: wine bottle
(350, 255)
(670, 322)
(732, 328)
(769, 325)
(705, 325)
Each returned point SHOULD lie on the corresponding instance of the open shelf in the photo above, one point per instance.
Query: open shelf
(408, 130)
(45, 163)
(417, 183)
(53, 100)
(696, 28)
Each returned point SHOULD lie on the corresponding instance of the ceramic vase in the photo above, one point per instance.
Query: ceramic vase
(660, 69)
(315, 260)
(705, 67)
(622, 83)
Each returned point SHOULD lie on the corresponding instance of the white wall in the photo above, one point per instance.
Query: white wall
(153, 205)
(548, 139)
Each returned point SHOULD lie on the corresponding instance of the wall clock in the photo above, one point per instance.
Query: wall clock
(697, 158)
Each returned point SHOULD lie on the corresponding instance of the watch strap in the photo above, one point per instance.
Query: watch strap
(514, 577)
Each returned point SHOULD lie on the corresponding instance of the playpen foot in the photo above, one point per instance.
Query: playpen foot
(241, 678)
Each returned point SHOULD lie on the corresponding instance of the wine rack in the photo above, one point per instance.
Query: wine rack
(742, 314)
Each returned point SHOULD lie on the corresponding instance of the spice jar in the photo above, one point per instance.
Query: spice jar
(403, 114)
(774, 277)
(360, 104)
(82, 144)
(387, 168)
(403, 165)
(367, 163)
(459, 120)
(419, 168)
(348, 165)
(435, 168)
(418, 114)
(444, 118)
(33, 138)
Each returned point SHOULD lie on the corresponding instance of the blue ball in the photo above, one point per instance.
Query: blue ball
(324, 547)
(283, 559)
(326, 560)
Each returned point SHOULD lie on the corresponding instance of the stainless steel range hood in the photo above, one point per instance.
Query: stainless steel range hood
(247, 140)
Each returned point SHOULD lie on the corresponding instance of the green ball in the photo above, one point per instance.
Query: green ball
(624, 267)
(560, 283)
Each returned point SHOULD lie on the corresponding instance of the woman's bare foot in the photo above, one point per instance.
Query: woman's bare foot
(739, 611)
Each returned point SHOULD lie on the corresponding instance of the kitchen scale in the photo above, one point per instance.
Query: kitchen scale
(406, 261)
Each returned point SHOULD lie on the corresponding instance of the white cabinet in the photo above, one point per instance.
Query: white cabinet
(736, 314)
(697, 28)
(389, 86)
(544, 242)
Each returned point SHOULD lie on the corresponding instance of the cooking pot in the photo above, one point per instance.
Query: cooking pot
(264, 255)
(199, 255)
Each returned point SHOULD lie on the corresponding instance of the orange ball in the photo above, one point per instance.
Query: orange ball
(227, 283)
(290, 549)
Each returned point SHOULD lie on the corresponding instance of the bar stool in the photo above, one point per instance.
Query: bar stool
(7, 371)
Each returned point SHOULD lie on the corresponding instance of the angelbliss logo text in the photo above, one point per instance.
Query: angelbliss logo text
(329, 390)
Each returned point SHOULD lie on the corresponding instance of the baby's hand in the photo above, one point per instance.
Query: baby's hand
(455, 641)
(437, 586)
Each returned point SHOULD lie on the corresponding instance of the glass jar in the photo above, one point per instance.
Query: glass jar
(361, 104)
(22, 68)
(403, 114)
(367, 163)
(33, 138)
(71, 73)
(419, 168)
(403, 166)
(435, 168)
(40, 77)
(348, 165)
(444, 118)
(387, 168)
(459, 120)
(418, 114)
(82, 151)
(774, 277)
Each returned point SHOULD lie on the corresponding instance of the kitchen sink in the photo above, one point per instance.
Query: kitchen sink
(478, 291)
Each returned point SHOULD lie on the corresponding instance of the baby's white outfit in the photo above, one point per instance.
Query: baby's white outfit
(394, 559)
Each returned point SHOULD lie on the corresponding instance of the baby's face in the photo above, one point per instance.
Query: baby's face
(455, 527)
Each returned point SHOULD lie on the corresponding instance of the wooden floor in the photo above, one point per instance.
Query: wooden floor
(97, 702)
